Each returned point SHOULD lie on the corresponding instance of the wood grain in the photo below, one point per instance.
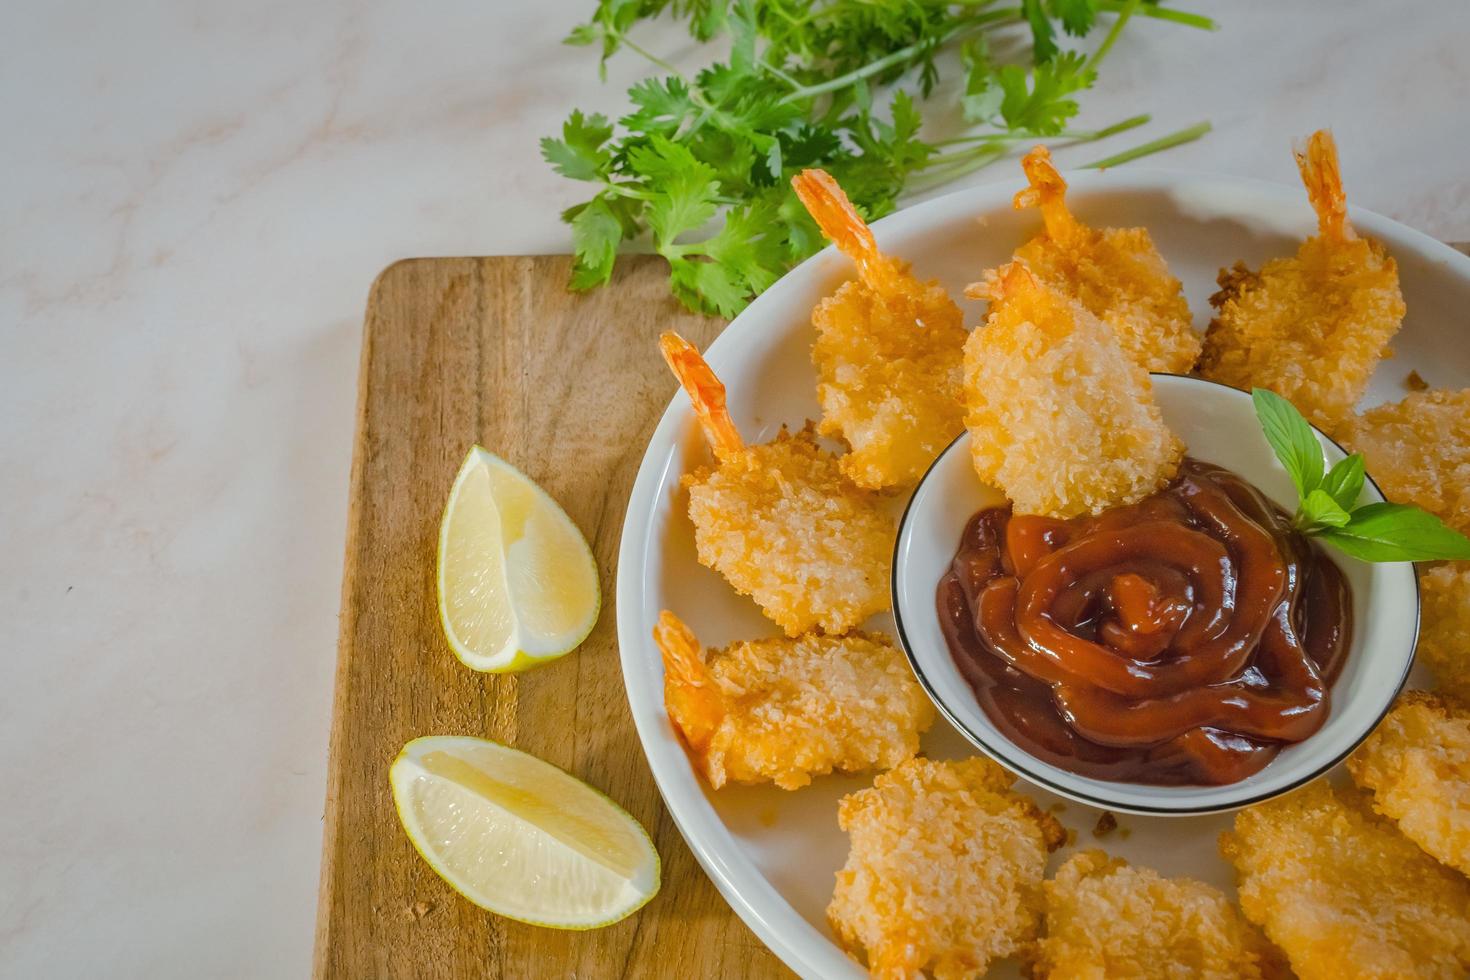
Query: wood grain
(568, 388)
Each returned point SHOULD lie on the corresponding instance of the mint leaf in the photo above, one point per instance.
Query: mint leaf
(1319, 509)
(579, 154)
(1292, 438)
(1344, 482)
(1397, 532)
(596, 233)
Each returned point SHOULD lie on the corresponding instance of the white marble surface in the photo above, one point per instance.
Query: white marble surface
(194, 198)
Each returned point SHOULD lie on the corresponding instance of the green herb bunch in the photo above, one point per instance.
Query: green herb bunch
(1329, 508)
(702, 163)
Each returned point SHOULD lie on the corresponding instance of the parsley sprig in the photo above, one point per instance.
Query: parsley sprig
(701, 163)
(1329, 507)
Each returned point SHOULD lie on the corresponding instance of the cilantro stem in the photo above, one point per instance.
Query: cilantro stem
(958, 32)
(1158, 12)
(1176, 138)
(636, 48)
(1123, 17)
(1071, 135)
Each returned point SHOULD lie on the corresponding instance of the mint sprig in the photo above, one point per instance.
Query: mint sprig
(1328, 507)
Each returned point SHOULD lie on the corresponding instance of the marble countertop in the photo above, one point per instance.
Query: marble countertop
(195, 199)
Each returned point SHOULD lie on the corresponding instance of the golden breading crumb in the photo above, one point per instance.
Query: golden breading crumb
(785, 710)
(1312, 327)
(1105, 918)
(945, 869)
(887, 355)
(783, 524)
(1444, 626)
(1418, 451)
(1343, 893)
(1061, 421)
(1418, 766)
(1117, 273)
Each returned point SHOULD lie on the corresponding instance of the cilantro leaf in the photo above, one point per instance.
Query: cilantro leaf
(1044, 106)
(1043, 38)
(706, 286)
(983, 93)
(684, 189)
(1291, 437)
(1397, 532)
(596, 233)
(701, 163)
(579, 154)
(663, 105)
(1077, 16)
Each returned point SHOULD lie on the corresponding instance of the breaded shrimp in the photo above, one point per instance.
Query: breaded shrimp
(1060, 419)
(1343, 893)
(887, 355)
(944, 872)
(1418, 451)
(780, 521)
(1444, 626)
(1116, 273)
(1312, 327)
(1107, 919)
(783, 710)
(1417, 764)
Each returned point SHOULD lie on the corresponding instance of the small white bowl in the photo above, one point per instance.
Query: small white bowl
(1218, 424)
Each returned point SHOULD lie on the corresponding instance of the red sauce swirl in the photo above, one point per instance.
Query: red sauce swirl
(1184, 639)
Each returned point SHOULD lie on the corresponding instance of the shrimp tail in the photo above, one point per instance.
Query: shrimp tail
(1323, 180)
(692, 699)
(1048, 191)
(828, 204)
(1011, 282)
(705, 391)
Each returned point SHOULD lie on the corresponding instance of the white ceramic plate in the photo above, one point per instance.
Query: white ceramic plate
(772, 853)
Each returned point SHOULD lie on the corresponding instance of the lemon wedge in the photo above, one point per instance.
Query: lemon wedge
(517, 582)
(520, 837)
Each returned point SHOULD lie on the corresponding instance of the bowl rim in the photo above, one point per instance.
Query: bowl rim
(1105, 801)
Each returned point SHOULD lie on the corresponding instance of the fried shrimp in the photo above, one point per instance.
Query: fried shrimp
(1312, 327)
(1043, 372)
(1343, 893)
(780, 520)
(887, 355)
(1116, 273)
(1418, 451)
(944, 871)
(1444, 626)
(1105, 918)
(783, 710)
(1417, 764)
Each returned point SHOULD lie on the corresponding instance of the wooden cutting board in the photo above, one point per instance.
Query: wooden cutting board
(568, 388)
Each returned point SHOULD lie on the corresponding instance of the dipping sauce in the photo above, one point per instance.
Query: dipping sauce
(1182, 640)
